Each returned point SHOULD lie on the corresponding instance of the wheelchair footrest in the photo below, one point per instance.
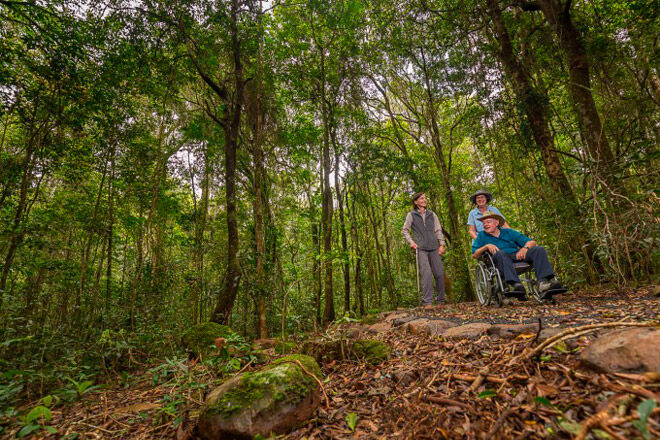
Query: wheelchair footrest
(551, 292)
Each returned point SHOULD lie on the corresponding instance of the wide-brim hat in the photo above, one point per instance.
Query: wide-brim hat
(481, 192)
(491, 214)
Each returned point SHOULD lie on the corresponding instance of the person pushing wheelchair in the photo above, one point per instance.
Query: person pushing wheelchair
(508, 246)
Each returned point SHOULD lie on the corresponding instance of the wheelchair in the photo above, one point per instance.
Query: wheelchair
(490, 286)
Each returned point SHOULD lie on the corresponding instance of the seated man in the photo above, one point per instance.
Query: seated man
(508, 246)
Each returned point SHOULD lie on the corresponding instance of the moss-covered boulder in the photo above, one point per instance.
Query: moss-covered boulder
(286, 347)
(371, 350)
(325, 350)
(273, 400)
(199, 339)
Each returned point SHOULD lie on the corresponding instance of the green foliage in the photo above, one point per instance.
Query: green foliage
(487, 394)
(36, 418)
(351, 420)
(644, 410)
(285, 347)
(199, 339)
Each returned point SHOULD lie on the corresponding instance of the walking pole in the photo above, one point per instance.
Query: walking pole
(417, 269)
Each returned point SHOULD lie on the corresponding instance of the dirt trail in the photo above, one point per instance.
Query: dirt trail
(432, 387)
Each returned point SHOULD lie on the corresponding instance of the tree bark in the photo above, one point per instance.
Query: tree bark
(111, 220)
(342, 228)
(259, 172)
(88, 245)
(533, 103)
(17, 233)
(570, 40)
(231, 127)
(326, 206)
(536, 112)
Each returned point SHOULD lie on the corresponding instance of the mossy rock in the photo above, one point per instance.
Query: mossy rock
(285, 347)
(199, 339)
(324, 350)
(371, 350)
(275, 399)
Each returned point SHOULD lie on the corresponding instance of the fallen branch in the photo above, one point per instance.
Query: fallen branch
(494, 379)
(446, 401)
(574, 332)
(515, 404)
(297, 362)
(483, 373)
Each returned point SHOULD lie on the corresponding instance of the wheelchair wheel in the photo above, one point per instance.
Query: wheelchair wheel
(497, 288)
(482, 284)
(533, 288)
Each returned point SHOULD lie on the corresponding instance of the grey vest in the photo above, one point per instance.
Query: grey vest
(423, 230)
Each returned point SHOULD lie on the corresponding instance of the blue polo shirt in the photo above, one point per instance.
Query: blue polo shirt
(509, 241)
(475, 214)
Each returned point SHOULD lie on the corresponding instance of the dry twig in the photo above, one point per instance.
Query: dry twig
(572, 332)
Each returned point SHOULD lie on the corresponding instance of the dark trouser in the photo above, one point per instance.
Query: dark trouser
(536, 256)
(430, 267)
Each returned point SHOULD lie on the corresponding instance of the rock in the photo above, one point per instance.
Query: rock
(273, 400)
(199, 339)
(437, 327)
(628, 350)
(324, 350)
(468, 331)
(265, 343)
(548, 333)
(404, 377)
(431, 327)
(380, 327)
(371, 350)
(510, 331)
(285, 347)
(392, 316)
(354, 331)
(403, 320)
(417, 326)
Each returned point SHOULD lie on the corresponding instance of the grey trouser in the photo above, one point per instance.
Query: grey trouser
(430, 266)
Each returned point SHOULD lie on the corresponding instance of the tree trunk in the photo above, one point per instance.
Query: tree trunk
(342, 227)
(533, 103)
(229, 291)
(455, 227)
(258, 190)
(16, 232)
(326, 206)
(358, 251)
(570, 40)
(84, 260)
(111, 219)
(201, 214)
(536, 112)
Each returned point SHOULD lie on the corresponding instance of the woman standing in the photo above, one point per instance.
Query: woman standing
(481, 198)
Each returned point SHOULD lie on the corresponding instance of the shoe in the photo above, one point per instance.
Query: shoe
(516, 290)
(550, 287)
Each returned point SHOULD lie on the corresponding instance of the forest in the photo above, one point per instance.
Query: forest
(251, 163)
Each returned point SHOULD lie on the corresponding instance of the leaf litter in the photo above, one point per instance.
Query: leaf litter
(431, 387)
